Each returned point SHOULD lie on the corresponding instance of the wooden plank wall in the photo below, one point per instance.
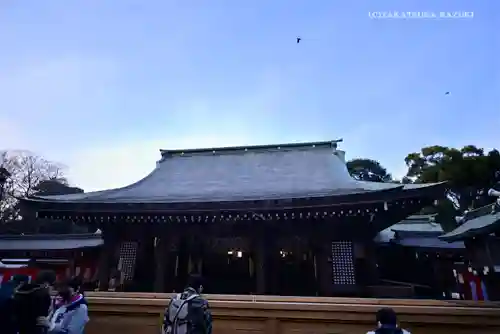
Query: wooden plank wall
(136, 313)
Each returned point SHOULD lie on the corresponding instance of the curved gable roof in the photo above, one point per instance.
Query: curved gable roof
(283, 171)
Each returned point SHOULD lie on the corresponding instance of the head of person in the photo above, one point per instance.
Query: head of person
(19, 280)
(195, 281)
(70, 289)
(64, 294)
(46, 278)
(75, 285)
(386, 318)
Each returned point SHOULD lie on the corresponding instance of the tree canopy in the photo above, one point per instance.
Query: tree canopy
(368, 170)
(469, 171)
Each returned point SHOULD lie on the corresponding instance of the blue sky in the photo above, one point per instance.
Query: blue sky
(102, 85)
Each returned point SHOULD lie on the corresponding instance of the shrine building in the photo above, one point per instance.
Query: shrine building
(276, 219)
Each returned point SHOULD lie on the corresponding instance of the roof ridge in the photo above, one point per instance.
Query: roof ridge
(252, 148)
(479, 212)
(50, 236)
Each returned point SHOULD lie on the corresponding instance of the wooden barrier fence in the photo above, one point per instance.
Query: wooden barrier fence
(141, 313)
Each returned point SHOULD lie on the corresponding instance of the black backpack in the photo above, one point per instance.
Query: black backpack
(185, 315)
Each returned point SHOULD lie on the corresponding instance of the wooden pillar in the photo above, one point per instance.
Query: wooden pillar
(323, 269)
(265, 256)
(321, 245)
(491, 278)
(260, 262)
(107, 259)
(196, 248)
(72, 264)
(273, 257)
(183, 262)
(162, 259)
(370, 253)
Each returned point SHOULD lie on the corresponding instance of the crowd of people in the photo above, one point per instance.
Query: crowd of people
(42, 306)
(47, 307)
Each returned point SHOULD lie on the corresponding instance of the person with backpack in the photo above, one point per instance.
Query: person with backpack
(32, 303)
(387, 322)
(188, 312)
(71, 316)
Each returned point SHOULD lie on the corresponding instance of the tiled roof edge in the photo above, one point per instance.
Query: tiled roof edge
(238, 149)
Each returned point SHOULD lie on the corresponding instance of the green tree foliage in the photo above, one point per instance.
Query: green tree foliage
(368, 170)
(469, 171)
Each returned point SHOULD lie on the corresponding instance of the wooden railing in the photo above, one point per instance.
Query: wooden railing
(141, 313)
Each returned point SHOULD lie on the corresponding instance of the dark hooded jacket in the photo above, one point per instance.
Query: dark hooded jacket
(31, 301)
(389, 330)
(7, 320)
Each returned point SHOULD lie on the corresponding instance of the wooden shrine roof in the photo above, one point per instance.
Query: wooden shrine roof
(481, 221)
(416, 225)
(44, 242)
(428, 242)
(419, 231)
(272, 172)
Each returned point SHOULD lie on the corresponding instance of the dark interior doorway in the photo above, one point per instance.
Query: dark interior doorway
(227, 273)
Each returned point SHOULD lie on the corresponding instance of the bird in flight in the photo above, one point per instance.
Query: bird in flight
(447, 93)
(298, 40)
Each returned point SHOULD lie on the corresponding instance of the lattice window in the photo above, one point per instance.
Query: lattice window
(128, 254)
(343, 262)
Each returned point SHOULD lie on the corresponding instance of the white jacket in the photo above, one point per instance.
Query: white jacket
(70, 318)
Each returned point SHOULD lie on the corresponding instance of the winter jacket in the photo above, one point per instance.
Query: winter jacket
(7, 310)
(70, 318)
(31, 301)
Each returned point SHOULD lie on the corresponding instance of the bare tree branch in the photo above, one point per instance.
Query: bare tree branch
(27, 170)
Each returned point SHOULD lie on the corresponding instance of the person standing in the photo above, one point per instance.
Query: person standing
(7, 309)
(32, 303)
(72, 315)
(188, 312)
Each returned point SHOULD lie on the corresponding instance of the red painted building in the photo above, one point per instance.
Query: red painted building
(67, 255)
(480, 231)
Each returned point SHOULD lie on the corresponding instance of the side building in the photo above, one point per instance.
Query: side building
(480, 231)
(276, 219)
(68, 255)
(412, 257)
